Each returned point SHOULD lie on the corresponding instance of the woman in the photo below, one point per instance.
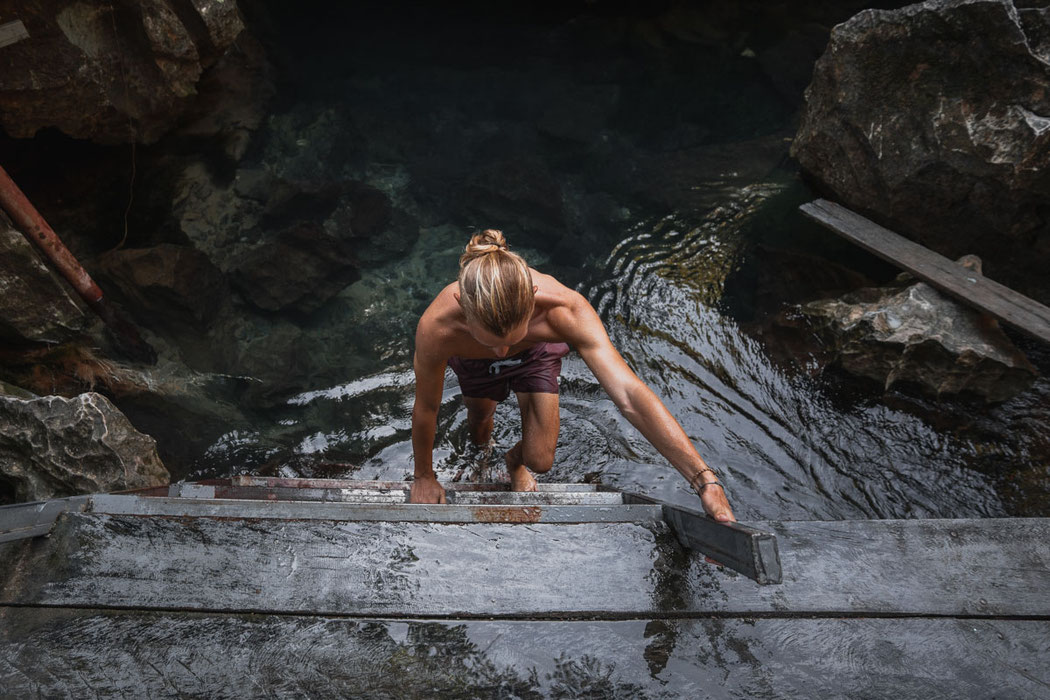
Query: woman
(504, 327)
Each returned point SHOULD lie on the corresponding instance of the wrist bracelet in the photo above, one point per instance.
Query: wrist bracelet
(692, 480)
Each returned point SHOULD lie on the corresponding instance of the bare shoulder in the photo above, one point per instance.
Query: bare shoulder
(437, 327)
(568, 312)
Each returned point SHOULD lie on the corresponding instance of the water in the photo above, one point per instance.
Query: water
(671, 207)
(788, 444)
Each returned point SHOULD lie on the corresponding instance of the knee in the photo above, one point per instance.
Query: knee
(539, 460)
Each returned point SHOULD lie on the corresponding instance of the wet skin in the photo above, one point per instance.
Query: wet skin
(560, 315)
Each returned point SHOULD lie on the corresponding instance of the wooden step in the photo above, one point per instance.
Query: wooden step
(975, 568)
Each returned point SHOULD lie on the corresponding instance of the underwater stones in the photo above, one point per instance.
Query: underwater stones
(579, 113)
(919, 336)
(935, 120)
(114, 73)
(166, 283)
(519, 195)
(301, 269)
(35, 305)
(53, 447)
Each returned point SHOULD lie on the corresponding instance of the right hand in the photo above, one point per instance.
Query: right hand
(426, 490)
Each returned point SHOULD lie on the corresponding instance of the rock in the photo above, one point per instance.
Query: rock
(52, 447)
(520, 196)
(789, 61)
(215, 218)
(580, 113)
(166, 283)
(919, 336)
(232, 96)
(935, 120)
(113, 73)
(300, 269)
(36, 306)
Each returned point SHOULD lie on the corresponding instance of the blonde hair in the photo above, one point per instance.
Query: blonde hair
(495, 287)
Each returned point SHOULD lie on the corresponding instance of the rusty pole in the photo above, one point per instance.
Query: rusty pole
(32, 225)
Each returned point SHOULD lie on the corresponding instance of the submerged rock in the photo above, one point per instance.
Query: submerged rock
(919, 336)
(113, 73)
(935, 120)
(166, 284)
(53, 447)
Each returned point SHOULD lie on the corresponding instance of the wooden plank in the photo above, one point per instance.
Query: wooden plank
(323, 567)
(976, 290)
(392, 512)
(393, 495)
(276, 482)
(83, 653)
(22, 520)
(744, 549)
(978, 568)
(12, 33)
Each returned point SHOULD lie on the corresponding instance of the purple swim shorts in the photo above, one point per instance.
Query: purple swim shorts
(533, 371)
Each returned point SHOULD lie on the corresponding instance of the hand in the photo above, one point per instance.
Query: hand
(712, 495)
(716, 504)
(426, 490)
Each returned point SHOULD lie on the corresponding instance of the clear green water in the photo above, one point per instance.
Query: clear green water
(675, 282)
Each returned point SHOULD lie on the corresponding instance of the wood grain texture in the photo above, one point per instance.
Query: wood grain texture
(393, 495)
(983, 568)
(83, 653)
(976, 290)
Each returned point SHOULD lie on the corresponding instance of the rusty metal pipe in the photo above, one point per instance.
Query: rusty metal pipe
(32, 225)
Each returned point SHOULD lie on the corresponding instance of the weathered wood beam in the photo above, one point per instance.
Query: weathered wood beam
(747, 550)
(350, 512)
(985, 568)
(22, 520)
(398, 493)
(973, 289)
(280, 482)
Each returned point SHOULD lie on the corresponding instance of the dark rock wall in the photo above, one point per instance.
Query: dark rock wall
(112, 72)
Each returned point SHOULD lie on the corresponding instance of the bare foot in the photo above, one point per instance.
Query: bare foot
(520, 477)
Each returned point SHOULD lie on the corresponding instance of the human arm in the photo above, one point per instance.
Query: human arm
(430, 378)
(580, 325)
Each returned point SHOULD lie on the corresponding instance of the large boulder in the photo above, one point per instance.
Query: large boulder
(935, 120)
(52, 447)
(35, 305)
(111, 72)
(918, 336)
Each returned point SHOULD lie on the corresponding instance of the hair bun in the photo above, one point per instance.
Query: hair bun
(488, 241)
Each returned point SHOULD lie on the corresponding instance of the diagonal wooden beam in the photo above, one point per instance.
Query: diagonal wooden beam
(946, 275)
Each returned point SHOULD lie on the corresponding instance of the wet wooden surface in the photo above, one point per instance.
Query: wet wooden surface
(976, 290)
(91, 653)
(985, 568)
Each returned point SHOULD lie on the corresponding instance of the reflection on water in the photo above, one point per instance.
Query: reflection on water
(789, 445)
